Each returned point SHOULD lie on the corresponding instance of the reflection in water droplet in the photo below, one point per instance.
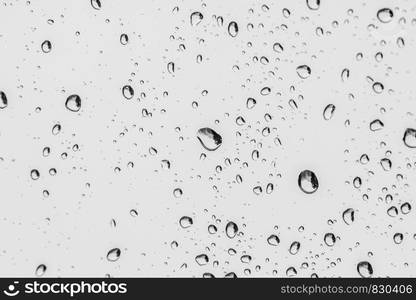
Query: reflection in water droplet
(186, 222)
(113, 254)
(409, 137)
(308, 182)
(196, 18)
(209, 139)
(233, 29)
(329, 112)
(3, 100)
(73, 103)
(46, 46)
(365, 269)
(303, 71)
(231, 229)
(128, 92)
(385, 15)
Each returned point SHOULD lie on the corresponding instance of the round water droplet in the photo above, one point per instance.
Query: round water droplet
(313, 4)
(329, 112)
(73, 103)
(231, 229)
(405, 208)
(186, 222)
(303, 71)
(40, 270)
(46, 46)
(209, 139)
(233, 29)
(177, 193)
(409, 137)
(378, 87)
(376, 125)
(128, 92)
(113, 254)
(348, 216)
(3, 100)
(330, 239)
(398, 238)
(308, 182)
(202, 259)
(385, 15)
(196, 18)
(251, 102)
(34, 174)
(273, 240)
(365, 269)
(96, 4)
(212, 229)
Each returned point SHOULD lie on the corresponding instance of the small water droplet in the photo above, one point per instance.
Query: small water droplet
(40, 270)
(308, 182)
(3, 100)
(46, 46)
(376, 125)
(303, 71)
(202, 259)
(313, 4)
(196, 18)
(124, 39)
(329, 112)
(294, 248)
(273, 240)
(96, 4)
(34, 174)
(329, 239)
(114, 254)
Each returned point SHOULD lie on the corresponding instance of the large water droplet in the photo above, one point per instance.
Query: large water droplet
(196, 18)
(365, 269)
(113, 254)
(3, 100)
(231, 229)
(303, 71)
(96, 4)
(202, 259)
(233, 29)
(385, 15)
(209, 139)
(73, 103)
(308, 182)
(409, 138)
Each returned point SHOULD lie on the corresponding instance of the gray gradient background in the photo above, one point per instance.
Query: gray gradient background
(70, 231)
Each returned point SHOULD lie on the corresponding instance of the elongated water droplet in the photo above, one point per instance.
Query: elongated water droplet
(171, 67)
(56, 129)
(329, 112)
(294, 248)
(348, 216)
(345, 74)
(124, 39)
(231, 229)
(113, 254)
(308, 182)
(209, 139)
(40, 270)
(96, 4)
(128, 92)
(73, 103)
(409, 138)
(233, 29)
(3, 100)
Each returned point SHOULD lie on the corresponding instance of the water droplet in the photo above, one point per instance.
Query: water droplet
(128, 92)
(177, 192)
(3, 100)
(209, 139)
(231, 229)
(376, 125)
(357, 182)
(273, 240)
(124, 39)
(277, 47)
(345, 74)
(113, 254)
(40, 270)
(313, 4)
(251, 102)
(186, 222)
(386, 164)
(329, 112)
(34, 174)
(308, 182)
(378, 87)
(348, 216)
(212, 229)
(329, 239)
(409, 138)
(385, 15)
(294, 248)
(196, 18)
(46, 46)
(202, 259)
(365, 269)
(233, 29)
(171, 67)
(96, 4)
(56, 129)
(303, 71)
(398, 238)
(73, 103)
(405, 208)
